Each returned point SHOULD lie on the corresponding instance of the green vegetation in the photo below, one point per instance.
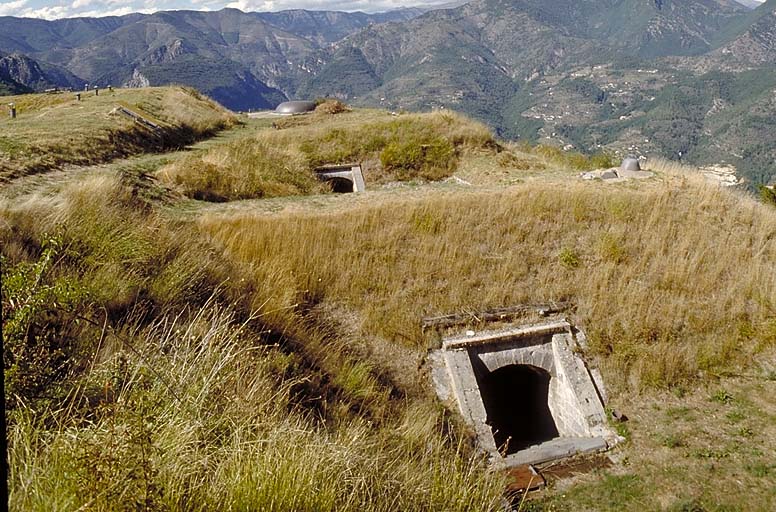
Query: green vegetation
(348, 73)
(768, 195)
(174, 393)
(10, 87)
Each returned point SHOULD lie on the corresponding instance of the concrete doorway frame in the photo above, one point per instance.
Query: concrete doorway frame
(350, 172)
(576, 397)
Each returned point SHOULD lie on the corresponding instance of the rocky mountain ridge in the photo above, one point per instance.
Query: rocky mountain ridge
(644, 76)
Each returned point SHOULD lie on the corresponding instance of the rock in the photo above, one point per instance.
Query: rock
(724, 174)
(618, 416)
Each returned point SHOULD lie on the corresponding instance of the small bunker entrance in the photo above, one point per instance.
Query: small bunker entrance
(341, 185)
(342, 178)
(525, 391)
(516, 403)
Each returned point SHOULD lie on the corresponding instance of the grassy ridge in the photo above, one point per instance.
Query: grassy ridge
(280, 162)
(669, 280)
(275, 361)
(56, 130)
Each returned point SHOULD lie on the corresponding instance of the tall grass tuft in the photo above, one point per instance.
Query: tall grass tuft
(200, 417)
(183, 390)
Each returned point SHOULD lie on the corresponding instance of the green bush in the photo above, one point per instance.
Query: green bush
(602, 161)
(432, 160)
(41, 317)
(767, 195)
(569, 258)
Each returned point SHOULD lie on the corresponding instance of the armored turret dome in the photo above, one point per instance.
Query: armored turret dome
(630, 163)
(295, 107)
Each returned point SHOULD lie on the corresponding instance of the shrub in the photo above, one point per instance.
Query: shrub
(602, 161)
(569, 258)
(432, 160)
(331, 106)
(767, 195)
(40, 323)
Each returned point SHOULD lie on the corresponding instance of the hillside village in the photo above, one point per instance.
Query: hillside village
(490, 255)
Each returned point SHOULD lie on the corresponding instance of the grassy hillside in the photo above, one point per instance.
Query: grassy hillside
(280, 162)
(142, 377)
(640, 264)
(272, 359)
(52, 131)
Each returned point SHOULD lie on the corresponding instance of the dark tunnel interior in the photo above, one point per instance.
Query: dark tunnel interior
(515, 399)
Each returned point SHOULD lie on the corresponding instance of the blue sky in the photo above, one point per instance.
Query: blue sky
(52, 9)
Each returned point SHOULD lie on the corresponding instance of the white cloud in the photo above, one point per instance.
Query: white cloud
(50, 12)
(52, 9)
(330, 5)
(11, 8)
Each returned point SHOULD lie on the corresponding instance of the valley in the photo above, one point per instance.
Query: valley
(561, 72)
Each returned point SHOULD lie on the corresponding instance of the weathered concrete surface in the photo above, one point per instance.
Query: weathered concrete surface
(556, 449)
(351, 173)
(574, 399)
(577, 401)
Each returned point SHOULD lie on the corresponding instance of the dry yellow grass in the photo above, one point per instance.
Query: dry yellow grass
(55, 130)
(165, 399)
(298, 406)
(280, 162)
(670, 280)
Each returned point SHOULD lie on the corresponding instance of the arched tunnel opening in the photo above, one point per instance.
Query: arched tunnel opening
(340, 185)
(516, 402)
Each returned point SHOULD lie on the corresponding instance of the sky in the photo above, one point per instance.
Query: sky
(54, 9)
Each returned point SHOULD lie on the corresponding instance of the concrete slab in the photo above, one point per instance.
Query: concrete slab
(350, 172)
(556, 449)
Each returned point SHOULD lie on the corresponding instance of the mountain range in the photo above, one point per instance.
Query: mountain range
(689, 79)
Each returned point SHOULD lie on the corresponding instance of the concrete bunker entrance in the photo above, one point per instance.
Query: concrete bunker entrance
(342, 178)
(340, 185)
(517, 407)
(526, 392)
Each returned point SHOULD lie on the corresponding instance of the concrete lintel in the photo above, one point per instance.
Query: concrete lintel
(348, 175)
(507, 336)
(556, 449)
(336, 167)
